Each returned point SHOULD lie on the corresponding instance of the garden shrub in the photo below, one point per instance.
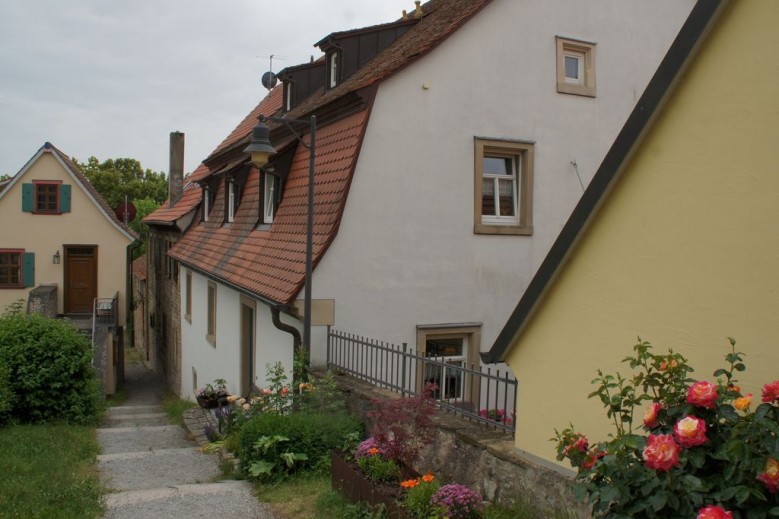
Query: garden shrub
(704, 451)
(268, 437)
(6, 395)
(49, 370)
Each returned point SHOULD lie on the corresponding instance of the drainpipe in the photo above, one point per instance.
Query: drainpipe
(296, 340)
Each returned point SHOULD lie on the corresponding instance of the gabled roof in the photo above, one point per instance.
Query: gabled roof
(167, 214)
(269, 263)
(81, 180)
(681, 53)
(441, 19)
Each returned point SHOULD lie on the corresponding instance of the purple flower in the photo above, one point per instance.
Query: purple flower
(458, 501)
(211, 433)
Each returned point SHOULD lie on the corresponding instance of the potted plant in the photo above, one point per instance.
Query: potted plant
(210, 396)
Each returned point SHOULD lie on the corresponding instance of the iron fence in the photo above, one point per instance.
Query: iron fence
(482, 394)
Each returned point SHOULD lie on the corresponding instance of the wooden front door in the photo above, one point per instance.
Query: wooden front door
(80, 278)
(247, 345)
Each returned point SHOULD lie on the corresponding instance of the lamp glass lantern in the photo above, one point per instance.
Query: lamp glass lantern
(260, 147)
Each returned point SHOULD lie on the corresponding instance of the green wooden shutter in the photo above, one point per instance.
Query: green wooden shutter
(28, 269)
(64, 198)
(28, 195)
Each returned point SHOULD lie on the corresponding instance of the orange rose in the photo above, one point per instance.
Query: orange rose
(743, 402)
(650, 415)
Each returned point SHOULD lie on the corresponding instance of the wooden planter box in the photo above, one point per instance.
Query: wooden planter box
(348, 479)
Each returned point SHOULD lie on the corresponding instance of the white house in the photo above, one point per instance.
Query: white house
(451, 147)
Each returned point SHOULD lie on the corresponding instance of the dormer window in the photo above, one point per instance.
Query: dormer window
(206, 202)
(289, 90)
(232, 200)
(333, 69)
(269, 197)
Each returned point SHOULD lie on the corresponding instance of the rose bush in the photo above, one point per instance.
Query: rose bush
(703, 453)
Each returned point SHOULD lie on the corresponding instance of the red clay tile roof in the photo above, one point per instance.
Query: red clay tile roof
(271, 263)
(441, 19)
(190, 198)
(90, 188)
(268, 106)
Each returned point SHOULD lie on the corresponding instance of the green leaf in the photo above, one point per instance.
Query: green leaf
(609, 493)
(658, 500)
(290, 458)
(774, 511)
(259, 468)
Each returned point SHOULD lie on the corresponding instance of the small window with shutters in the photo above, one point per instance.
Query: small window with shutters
(46, 197)
(17, 268)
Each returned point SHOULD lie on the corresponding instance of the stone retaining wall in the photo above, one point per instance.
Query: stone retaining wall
(468, 453)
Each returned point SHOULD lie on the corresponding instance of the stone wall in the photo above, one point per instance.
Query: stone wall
(43, 300)
(468, 453)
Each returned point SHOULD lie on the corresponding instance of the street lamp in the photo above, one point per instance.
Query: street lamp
(261, 149)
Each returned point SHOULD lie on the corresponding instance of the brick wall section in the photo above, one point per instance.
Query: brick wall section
(465, 452)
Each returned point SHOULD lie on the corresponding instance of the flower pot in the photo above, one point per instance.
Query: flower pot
(349, 480)
(207, 403)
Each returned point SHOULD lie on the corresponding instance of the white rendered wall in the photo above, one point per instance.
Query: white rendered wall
(224, 360)
(406, 253)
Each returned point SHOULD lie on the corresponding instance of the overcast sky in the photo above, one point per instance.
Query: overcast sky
(113, 78)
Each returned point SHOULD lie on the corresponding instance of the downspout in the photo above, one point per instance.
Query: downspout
(129, 321)
(296, 340)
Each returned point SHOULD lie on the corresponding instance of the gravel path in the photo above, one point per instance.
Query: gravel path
(154, 469)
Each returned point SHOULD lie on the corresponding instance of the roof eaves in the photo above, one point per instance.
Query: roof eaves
(681, 53)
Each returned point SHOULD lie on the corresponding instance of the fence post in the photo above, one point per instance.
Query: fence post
(403, 372)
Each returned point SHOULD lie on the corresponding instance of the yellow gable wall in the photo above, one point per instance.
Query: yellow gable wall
(685, 251)
(46, 234)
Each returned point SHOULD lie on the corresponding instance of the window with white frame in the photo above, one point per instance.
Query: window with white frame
(451, 349)
(575, 67)
(206, 202)
(333, 69)
(232, 200)
(289, 90)
(503, 187)
(269, 188)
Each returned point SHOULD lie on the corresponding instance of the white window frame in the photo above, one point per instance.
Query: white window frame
(288, 91)
(231, 200)
(470, 334)
(520, 154)
(584, 51)
(333, 68)
(206, 202)
(268, 197)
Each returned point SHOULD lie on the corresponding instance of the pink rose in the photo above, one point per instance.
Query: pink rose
(591, 459)
(284, 391)
(266, 391)
(771, 392)
(690, 432)
(702, 394)
(661, 452)
(714, 512)
(650, 415)
(770, 478)
(579, 443)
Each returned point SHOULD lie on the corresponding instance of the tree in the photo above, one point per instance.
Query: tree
(116, 179)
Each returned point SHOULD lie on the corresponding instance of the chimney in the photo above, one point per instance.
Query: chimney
(176, 170)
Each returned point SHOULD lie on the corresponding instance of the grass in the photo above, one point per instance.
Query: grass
(48, 471)
(174, 407)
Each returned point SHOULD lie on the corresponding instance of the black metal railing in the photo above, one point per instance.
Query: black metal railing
(482, 394)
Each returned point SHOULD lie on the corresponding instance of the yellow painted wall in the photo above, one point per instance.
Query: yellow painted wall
(46, 234)
(685, 251)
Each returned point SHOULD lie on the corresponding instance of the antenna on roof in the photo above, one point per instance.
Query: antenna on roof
(269, 79)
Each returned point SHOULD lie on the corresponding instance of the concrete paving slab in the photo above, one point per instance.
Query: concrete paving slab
(158, 468)
(132, 439)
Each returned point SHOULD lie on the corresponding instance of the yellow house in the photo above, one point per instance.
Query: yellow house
(56, 230)
(676, 239)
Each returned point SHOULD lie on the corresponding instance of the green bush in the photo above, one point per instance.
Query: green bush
(6, 396)
(303, 438)
(48, 369)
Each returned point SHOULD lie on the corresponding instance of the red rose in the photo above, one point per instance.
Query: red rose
(650, 415)
(690, 432)
(661, 452)
(770, 478)
(702, 394)
(579, 442)
(771, 392)
(714, 512)
(591, 458)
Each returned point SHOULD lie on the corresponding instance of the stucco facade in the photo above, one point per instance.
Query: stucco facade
(204, 359)
(682, 251)
(86, 225)
(406, 253)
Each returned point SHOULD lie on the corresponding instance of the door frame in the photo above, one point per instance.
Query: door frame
(247, 344)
